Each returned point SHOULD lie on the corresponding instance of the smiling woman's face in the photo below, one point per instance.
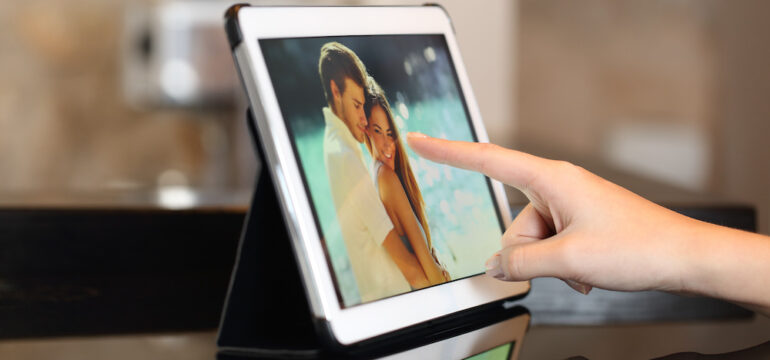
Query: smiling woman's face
(382, 136)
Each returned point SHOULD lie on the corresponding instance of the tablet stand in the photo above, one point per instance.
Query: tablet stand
(267, 313)
(266, 310)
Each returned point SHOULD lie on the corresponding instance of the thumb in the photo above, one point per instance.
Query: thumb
(525, 261)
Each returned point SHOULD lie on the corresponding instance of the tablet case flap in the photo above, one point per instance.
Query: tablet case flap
(266, 306)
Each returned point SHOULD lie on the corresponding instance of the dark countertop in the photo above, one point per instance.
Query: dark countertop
(540, 342)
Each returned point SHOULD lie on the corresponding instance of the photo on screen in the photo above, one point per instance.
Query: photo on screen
(390, 221)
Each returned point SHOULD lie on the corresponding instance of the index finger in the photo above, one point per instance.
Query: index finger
(512, 167)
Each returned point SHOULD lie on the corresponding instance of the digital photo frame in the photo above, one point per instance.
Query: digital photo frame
(351, 236)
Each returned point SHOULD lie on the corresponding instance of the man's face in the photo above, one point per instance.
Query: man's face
(351, 109)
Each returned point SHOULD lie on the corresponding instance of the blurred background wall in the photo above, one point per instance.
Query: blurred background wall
(64, 122)
(667, 98)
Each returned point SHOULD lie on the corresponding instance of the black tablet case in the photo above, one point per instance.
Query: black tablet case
(266, 310)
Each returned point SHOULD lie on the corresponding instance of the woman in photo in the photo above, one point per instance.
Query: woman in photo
(397, 186)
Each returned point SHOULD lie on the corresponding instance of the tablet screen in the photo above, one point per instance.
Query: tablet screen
(390, 221)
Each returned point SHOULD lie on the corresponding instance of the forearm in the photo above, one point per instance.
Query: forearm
(729, 264)
(413, 272)
(405, 261)
(432, 271)
(415, 276)
(419, 245)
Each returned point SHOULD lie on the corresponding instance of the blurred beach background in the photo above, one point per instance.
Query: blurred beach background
(418, 77)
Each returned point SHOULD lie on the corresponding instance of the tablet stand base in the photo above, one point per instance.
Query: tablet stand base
(267, 313)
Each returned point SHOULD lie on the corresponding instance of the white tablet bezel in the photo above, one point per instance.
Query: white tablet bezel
(364, 321)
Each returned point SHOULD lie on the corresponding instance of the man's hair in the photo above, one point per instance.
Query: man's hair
(336, 63)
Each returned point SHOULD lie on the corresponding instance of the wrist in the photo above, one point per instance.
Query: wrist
(728, 264)
(693, 241)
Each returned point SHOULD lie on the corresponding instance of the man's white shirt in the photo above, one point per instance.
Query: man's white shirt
(362, 217)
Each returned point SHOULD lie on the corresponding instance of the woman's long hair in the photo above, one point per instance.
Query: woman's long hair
(376, 97)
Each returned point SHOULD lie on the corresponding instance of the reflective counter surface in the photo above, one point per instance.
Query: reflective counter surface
(724, 339)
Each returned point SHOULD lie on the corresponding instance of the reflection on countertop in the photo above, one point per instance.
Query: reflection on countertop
(744, 339)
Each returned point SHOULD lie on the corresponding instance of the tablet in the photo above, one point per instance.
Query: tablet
(384, 239)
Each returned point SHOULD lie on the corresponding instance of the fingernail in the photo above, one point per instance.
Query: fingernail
(416, 135)
(493, 267)
(581, 288)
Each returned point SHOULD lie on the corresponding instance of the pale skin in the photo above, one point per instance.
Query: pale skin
(348, 105)
(590, 232)
(394, 197)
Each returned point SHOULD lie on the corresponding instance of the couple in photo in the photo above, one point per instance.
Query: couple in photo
(379, 206)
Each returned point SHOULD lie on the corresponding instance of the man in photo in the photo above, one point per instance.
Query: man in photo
(380, 261)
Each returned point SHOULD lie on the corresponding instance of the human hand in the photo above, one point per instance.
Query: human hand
(577, 227)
